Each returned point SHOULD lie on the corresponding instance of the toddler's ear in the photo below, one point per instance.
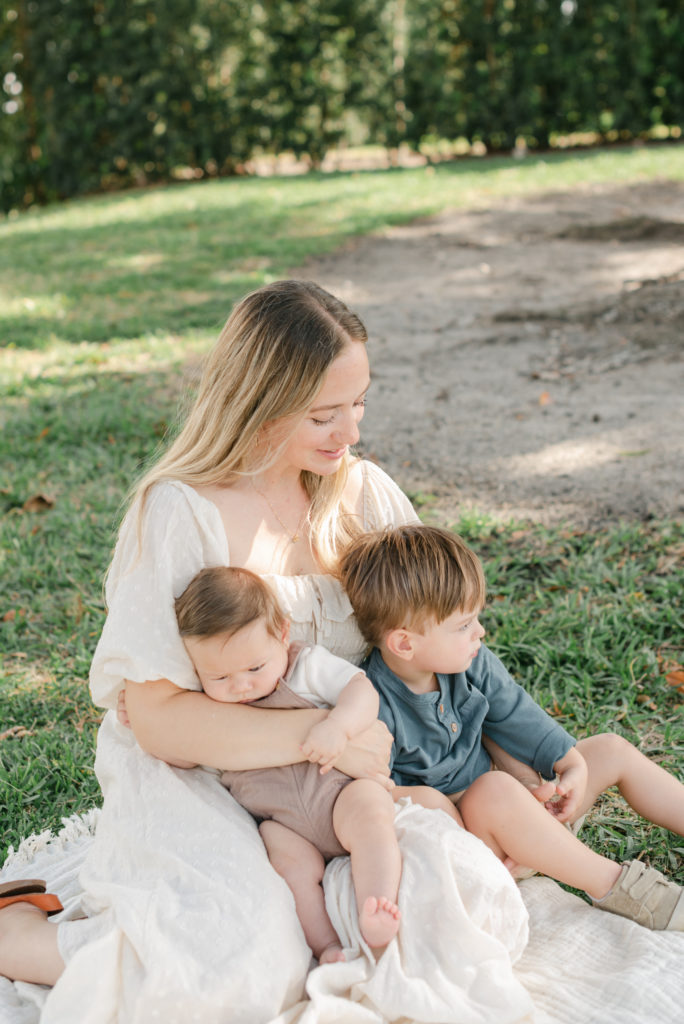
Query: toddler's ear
(400, 643)
(285, 633)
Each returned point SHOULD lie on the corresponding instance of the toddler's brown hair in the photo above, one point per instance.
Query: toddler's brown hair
(408, 576)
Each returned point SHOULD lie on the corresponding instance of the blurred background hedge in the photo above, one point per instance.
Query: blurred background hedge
(101, 94)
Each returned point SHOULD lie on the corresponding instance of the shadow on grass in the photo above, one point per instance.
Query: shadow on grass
(176, 258)
(161, 272)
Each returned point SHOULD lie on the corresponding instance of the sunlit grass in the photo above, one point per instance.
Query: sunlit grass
(175, 258)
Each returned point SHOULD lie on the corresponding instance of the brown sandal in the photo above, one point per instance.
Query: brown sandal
(29, 890)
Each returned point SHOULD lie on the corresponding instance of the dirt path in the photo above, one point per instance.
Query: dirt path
(527, 358)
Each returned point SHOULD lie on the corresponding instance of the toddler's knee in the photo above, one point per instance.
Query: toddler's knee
(609, 745)
(493, 792)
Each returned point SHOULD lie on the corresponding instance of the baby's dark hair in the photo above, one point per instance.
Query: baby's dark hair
(408, 576)
(225, 600)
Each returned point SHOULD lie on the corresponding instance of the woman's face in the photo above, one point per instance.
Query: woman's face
(331, 425)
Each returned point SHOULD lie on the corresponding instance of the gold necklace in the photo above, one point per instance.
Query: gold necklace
(292, 538)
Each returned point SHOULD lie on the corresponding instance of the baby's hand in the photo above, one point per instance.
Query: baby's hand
(325, 743)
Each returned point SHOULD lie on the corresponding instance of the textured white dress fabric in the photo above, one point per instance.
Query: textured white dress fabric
(186, 920)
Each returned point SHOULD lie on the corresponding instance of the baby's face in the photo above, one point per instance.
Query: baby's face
(242, 667)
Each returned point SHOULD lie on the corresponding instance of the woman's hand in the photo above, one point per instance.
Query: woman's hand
(367, 756)
(121, 712)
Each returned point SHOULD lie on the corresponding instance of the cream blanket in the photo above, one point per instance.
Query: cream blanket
(474, 948)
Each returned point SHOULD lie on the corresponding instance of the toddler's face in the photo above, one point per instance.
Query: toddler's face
(450, 646)
(242, 667)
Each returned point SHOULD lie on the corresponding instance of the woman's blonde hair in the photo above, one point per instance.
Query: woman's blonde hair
(268, 364)
(409, 576)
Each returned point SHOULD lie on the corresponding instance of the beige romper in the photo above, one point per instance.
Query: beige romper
(295, 795)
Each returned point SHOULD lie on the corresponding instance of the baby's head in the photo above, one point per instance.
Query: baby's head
(234, 632)
(416, 592)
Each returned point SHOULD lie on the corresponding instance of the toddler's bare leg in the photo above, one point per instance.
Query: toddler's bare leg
(648, 789)
(428, 797)
(363, 819)
(512, 823)
(505, 762)
(301, 865)
(28, 945)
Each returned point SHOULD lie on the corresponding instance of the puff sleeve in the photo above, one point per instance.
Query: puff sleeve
(181, 533)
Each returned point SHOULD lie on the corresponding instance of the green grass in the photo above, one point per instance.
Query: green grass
(107, 304)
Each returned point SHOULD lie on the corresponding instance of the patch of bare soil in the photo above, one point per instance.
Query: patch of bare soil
(527, 357)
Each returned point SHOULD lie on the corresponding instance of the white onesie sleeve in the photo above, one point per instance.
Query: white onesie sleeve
(320, 676)
(181, 534)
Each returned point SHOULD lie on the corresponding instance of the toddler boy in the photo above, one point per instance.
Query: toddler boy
(417, 592)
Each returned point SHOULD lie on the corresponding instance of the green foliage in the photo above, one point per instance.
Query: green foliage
(99, 94)
(302, 68)
(496, 70)
(110, 93)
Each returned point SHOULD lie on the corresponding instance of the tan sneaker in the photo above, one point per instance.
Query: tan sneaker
(644, 895)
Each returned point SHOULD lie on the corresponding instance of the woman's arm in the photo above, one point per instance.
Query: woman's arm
(178, 725)
(186, 726)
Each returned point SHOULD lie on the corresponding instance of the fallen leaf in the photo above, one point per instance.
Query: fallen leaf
(676, 678)
(670, 559)
(17, 731)
(14, 613)
(544, 398)
(44, 433)
(38, 503)
(76, 607)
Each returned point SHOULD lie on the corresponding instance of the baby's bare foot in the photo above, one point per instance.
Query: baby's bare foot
(332, 954)
(379, 921)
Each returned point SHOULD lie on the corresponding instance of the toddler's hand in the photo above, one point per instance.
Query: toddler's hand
(325, 743)
(570, 788)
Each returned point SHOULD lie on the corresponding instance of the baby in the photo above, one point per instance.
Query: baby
(417, 592)
(238, 640)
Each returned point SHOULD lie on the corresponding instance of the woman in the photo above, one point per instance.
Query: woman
(261, 476)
